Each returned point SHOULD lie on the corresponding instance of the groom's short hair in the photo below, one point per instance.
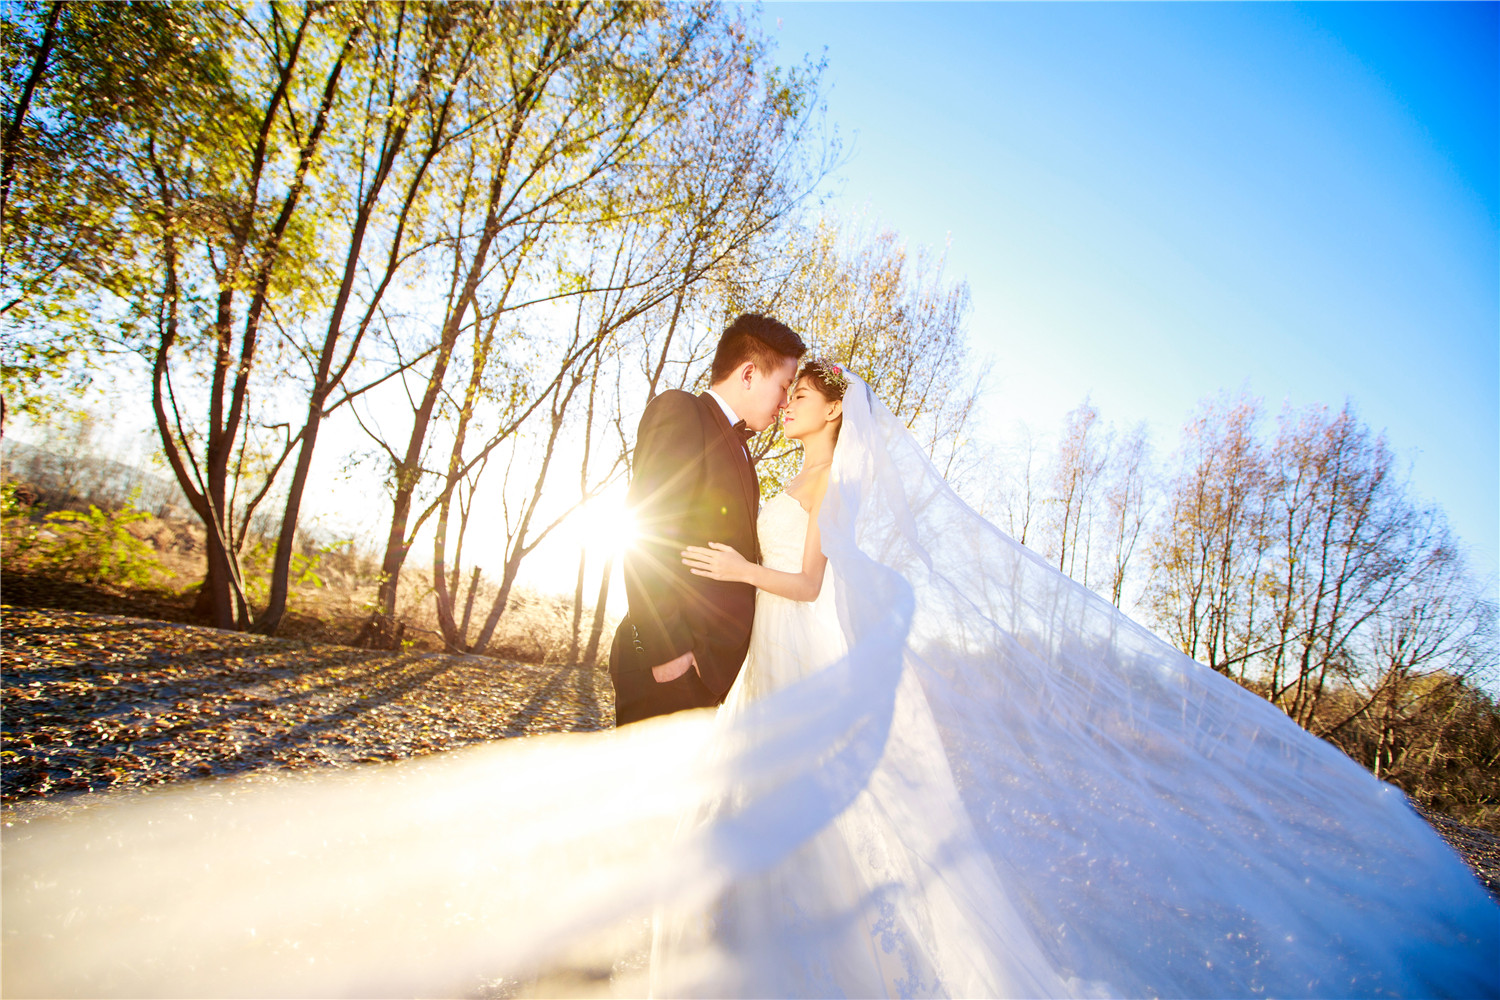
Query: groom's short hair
(753, 337)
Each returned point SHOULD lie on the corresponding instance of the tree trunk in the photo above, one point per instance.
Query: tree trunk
(23, 103)
(577, 609)
(596, 629)
(379, 627)
(409, 472)
(482, 644)
(463, 626)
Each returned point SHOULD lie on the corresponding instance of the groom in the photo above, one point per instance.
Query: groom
(684, 637)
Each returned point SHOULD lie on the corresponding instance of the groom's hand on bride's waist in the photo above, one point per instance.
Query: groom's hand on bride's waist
(673, 669)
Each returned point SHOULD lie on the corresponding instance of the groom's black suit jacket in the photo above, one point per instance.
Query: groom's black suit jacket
(691, 484)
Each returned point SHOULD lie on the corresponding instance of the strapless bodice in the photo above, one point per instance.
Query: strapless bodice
(782, 526)
(789, 639)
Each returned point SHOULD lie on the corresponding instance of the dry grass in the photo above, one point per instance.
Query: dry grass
(535, 628)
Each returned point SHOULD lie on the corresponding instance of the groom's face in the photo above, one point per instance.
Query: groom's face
(767, 393)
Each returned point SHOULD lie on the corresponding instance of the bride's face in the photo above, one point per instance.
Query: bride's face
(808, 412)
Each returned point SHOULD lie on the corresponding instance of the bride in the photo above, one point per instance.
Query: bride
(863, 886)
(946, 769)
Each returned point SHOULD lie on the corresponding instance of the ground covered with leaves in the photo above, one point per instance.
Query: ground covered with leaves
(95, 702)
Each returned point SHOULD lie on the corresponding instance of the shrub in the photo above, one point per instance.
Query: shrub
(15, 521)
(97, 547)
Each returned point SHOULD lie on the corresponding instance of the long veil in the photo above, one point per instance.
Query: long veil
(1050, 800)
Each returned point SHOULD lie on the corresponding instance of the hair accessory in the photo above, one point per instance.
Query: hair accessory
(835, 376)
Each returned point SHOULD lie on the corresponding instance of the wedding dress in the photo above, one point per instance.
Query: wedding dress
(867, 887)
(955, 773)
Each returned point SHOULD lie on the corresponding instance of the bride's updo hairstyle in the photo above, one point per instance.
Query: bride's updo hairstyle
(828, 378)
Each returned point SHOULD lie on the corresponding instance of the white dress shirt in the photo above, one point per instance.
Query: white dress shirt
(734, 418)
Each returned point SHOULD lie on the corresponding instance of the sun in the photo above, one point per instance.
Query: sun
(600, 531)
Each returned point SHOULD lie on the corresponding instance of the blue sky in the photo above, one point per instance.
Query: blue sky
(1153, 203)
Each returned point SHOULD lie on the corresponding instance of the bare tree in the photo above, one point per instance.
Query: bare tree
(522, 537)
(1342, 522)
(590, 416)
(1436, 635)
(860, 297)
(1077, 470)
(1207, 551)
(1305, 570)
(1128, 504)
(582, 357)
(1009, 492)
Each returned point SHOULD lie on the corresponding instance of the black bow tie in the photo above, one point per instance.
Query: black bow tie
(744, 432)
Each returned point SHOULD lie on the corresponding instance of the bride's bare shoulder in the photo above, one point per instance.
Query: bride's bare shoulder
(808, 487)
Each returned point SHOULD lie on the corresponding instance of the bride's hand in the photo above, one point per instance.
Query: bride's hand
(717, 562)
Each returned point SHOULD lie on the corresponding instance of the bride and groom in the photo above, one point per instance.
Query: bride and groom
(696, 502)
(944, 768)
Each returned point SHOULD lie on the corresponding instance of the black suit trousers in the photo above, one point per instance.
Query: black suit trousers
(638, 695)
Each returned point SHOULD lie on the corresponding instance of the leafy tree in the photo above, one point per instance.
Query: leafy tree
(420, 60)
(254, 174)
(84, 78)
(191, 135)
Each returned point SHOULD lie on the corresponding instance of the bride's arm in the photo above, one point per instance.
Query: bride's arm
(720, 562)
